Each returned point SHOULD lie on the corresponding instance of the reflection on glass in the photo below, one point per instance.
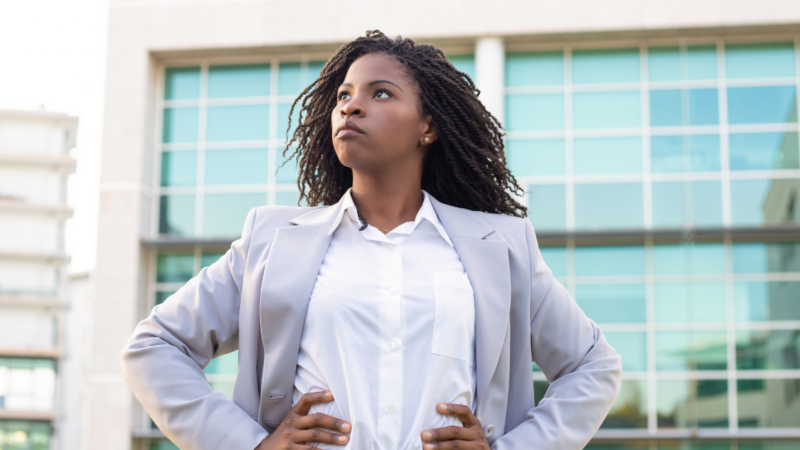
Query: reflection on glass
(606, 110)
(768, 403)
(556, 260)
(535, 112)
(181, 83)
(241, 166)
(630, 408)
(539, 390)
(672, 210)
(27, 384)
(668, 64)
(246, 80)
(609, 261)
(769, 445)
(692, 403)
(759, 257)
(162, 296)
(767, 104)
(601, 156)
(763, 151)
(761, 60)
(694, 259)
(536, 157)
(612, 303)
(605, 66)
(176, 215)
(25, 435)
(691, 350)
(764, 201)
(547, 206)
(224, 214)
(674, 107)
(632, 346)
(609, 206)
(238, 123)
(695, 153)
(535, 69)
(174, 267)
(163, 445)
(283, 120)
(462, 63)
(689, 302)
(227, 364)
(767, 300)
(768, 349)
(180, 125)
(208, 259)
(179, 168)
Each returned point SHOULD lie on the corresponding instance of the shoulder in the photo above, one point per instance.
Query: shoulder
(513, 230)
(275, 215)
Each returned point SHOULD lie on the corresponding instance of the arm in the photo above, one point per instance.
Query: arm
(163, 361)
(584, 371)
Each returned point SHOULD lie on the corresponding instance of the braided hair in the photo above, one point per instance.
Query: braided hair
(465, 167)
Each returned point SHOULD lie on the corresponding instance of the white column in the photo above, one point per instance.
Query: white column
(490, 65)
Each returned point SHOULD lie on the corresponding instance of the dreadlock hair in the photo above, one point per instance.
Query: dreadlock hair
(465, 167)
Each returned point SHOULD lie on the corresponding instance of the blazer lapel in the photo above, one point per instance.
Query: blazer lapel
(487, 266)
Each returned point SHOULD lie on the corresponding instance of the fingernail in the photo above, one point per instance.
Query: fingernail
(443, 407)
(345, 427)
(329, 395)
(428, 446)
(341, 438)
(426, 435)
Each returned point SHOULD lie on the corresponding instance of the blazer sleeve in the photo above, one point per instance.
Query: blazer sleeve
(584, 371)
(163, 360)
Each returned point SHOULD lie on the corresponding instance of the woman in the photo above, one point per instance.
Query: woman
(402, 314)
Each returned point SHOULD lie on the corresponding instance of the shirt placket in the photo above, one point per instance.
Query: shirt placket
(390, 390)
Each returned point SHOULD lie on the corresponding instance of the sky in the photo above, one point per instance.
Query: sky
(52, 56)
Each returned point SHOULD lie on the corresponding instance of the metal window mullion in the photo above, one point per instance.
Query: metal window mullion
(570, 247)
(569, 187)
(730, 316)
(647, 182)
(272, 159)
(158, 145)
(652, 411)
(686, 186)
(722, 98)
(199, 201)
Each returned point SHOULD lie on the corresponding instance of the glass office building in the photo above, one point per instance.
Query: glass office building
(664, 185)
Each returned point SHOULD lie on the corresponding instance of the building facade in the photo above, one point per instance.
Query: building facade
(34, 166)
(657, 143)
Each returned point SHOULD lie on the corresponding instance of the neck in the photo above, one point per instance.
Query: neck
(387, 201)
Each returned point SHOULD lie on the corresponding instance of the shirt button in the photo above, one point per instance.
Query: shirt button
(392, 345)
(391, 409)
(390, 247)
(394, 290)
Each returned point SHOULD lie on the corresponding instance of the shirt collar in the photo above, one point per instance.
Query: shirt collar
(426, 212)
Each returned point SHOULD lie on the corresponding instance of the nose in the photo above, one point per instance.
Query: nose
(352, 108)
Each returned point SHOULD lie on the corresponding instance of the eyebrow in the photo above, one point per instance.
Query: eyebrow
(372, 83)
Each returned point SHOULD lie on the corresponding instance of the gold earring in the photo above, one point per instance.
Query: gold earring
(427, 139)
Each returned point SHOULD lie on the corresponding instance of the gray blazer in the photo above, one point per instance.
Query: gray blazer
(254, 299)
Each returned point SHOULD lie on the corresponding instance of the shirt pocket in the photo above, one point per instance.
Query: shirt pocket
(454, 321)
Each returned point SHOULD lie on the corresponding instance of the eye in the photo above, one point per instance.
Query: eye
(385, 93)
(343, 95)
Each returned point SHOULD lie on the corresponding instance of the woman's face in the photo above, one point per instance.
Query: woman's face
(376, 122)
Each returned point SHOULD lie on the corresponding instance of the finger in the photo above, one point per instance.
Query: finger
(305, 436)
(462, 411)
(447, 433)
(322, 421)
(446, 445)
(310, 399)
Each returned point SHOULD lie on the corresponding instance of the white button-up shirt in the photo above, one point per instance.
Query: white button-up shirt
(390, 330)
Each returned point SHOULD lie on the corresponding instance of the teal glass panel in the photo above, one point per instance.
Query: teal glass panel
(179, 168)
(763, 201)
(667, 154)
(665, 108)
(287, 169)
(763, 151)
(224, 214)
(245, 80)
(238, 123)
(757, 257)
(556, 260)
(285, 129)
(692, 403)
(632, 346)
(227, 364)
(767, 444)
(535, 112)
(163, 444)
(289, 198)
(704, 155)
(609, 261)
(180, 125)
(703, 107)
(630, 407)
(695, 259)
(162, 296)
(539, 390)
(464, 63)
(242, 166)
(762, 60)
(181, 83)
(19, 434)
(547, 206)
(678, 204)
(313, 71)
(673, 107)
(609, 206)
(689, 302)
(691, 350)
(176, 215)
(536, 157)
(768, 350)
(767, 104)
(612, 303)
(290, 78)
(702, 62)
(696, 153)
(768, 403)
(665, 63)
(535, 69)
(174, 267)
(605, 66)
(606, 110)
(766, 300)
(607, 156)
(208, 259)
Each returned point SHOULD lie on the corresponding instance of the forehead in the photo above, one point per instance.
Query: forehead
(376, 66)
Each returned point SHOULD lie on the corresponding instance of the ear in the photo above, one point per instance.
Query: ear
(428, 136)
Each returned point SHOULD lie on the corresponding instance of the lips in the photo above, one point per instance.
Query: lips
(349, 128)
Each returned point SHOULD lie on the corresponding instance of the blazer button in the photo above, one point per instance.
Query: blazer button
(488, 430)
